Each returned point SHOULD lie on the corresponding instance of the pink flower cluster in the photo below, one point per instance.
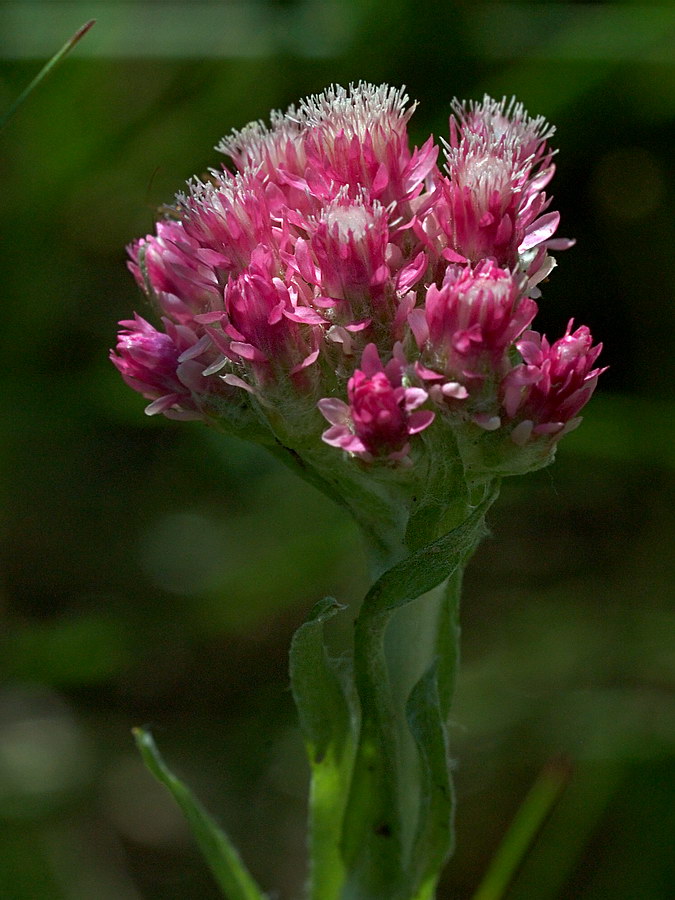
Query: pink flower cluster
(337, 269)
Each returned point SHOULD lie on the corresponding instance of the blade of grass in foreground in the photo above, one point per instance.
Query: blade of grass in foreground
(223, 859)
(46, 69)
(520, 836)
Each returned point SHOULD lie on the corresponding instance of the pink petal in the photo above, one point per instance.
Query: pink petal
(548, 428)
(358, 326)
(307, 361)
(427, 374)
(414, 397)
(196, 349)
(370, 360)
(209, 318)
(305, 265)
(540, 230)
(504, 231)
(304, 314)
(380, 181)
(561, 243)
(418, 325)
(248, 351)
(221, 343)
(235, 381)
(521, 433)
(423, 160)
(420, 420)
(352, 444)
(161, 404)
(452, 256)
(189, 373)
(333, 409)
(412, 273)
(487, 422)
(455, 390)
(215, 366)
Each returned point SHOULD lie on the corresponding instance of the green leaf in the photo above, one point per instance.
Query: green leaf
(371, 841)
(447, 640)
(434, 838)
(317, 689)
(328, 723)
(427, 567)
(230, 873)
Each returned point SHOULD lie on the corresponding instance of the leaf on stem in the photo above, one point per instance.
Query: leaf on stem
(317, 689)
(424, 569)
(434, 511)
(328, 723)
(434, 838)
(230, 873)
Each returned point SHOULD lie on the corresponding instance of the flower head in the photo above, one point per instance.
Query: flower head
(506, 125)
(338, 272)
(349, 241)
(491, 204)
(170, 267)
(468, 323)
(264, 322)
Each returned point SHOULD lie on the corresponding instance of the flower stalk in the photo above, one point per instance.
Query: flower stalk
(365, 313)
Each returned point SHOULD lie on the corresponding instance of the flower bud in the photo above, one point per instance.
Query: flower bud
(381, 415)
(545, 393)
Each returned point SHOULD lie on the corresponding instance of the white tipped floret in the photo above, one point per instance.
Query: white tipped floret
(483, 169)
(502, 117)
(221, 187)
(355, 216)
(505, 127)
(242, 141)
(355, 109)
(348, 221)
(196, 191)
(257, 142)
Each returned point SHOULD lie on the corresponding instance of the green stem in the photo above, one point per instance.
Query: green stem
(398, 823)
(326, 810)
(328, 721)
(448, 650)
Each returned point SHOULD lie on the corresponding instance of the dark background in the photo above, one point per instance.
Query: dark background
(153, 572)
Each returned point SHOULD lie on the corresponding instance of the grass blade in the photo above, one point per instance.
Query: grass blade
(46, 69)
(527, 823)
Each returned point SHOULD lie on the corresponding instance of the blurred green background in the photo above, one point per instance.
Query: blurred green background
(153, 572)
